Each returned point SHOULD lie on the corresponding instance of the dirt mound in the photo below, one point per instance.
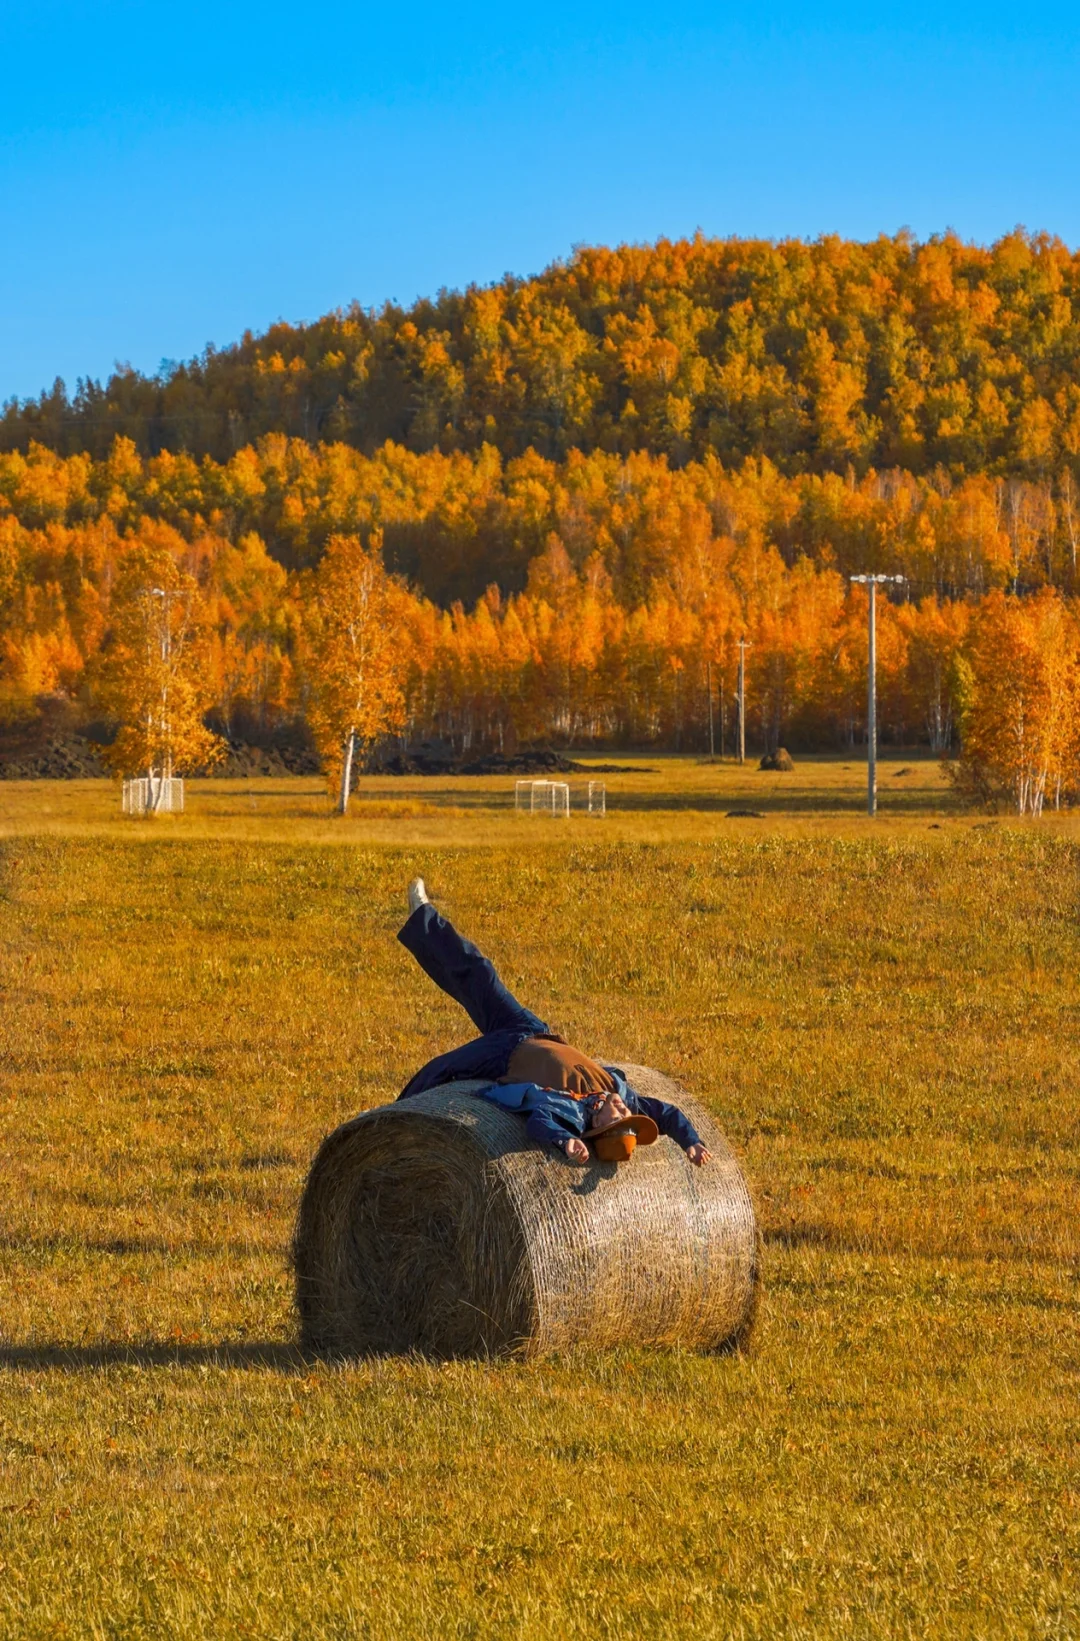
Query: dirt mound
(541, 762)
(60, 758)
(614, 769)
(243, 761)
(431, 757)
(437, 757)
(75, 755)
(73, 758)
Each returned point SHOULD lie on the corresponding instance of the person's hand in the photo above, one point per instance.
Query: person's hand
(699, 1154)
(576, 1150)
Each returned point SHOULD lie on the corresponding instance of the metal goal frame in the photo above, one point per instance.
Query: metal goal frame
(542, 798)
(163, 795)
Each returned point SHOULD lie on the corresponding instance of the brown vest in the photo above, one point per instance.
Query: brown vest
(552, 1064)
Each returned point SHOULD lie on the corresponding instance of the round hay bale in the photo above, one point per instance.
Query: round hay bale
(435, 1225)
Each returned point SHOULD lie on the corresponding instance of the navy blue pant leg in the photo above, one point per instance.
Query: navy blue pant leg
(462, 971)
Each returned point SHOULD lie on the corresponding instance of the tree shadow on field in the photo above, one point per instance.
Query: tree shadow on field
(127, 1246)
(760, 802)
(256, 1353)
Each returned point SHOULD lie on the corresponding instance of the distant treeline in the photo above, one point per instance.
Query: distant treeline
(453, 525)
(924, 357)
(599, 599)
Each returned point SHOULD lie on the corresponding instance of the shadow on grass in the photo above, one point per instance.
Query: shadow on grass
(123, 1246)
(260, 1353)
(911, 803)
(812, 1236)
(998, 1251)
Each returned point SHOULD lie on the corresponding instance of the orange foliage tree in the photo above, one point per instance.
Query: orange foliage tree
(1020, 721)
(933, 356)
(150, 674)
(353, 656)
(598, 598)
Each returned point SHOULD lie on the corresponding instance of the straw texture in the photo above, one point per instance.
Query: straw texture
(435, 1225)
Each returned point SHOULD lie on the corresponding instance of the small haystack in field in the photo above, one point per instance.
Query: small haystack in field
(435, 1225)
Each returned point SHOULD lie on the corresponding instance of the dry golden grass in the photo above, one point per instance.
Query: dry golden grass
(657, 801)
(884, 1016)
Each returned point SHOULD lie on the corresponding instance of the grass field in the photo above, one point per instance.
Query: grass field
(885, 1017)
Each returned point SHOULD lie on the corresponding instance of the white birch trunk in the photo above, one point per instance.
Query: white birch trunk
(346, 773)
(1039, 795)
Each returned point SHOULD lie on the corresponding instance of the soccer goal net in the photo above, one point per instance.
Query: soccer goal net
(160, 795)
(542, 797)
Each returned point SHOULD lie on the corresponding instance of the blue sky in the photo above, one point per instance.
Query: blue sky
(173, 174)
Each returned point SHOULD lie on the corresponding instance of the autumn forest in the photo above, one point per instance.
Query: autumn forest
(569, 497)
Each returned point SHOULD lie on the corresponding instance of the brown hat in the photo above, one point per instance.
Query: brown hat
(617, 1141)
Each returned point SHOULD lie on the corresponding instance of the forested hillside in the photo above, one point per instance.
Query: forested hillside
(606, 596)
(892, 354)
(455, 524)
(571, 498)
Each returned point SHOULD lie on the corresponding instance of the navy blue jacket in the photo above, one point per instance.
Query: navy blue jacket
(485, 1057)
(552, 1116)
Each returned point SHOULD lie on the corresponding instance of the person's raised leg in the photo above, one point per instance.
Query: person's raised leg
(461, 970)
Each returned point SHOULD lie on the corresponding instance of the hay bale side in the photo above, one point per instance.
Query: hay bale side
(435, 1225)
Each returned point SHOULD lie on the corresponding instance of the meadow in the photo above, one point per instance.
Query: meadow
(884, 1015)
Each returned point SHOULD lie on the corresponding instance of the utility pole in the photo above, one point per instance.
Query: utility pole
(743, 646)
(712, 744)
(872, 582)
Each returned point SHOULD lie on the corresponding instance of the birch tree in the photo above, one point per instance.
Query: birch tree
(355, 656)
(151, 673)
(1020, 713)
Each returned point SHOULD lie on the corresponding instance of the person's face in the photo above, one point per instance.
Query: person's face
(614, 1109)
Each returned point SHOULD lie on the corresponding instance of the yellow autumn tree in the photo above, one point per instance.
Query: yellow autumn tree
(151, 675)
(1020, 712)
(355, 655)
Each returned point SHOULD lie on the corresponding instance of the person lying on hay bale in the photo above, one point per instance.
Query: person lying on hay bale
(566, 1097)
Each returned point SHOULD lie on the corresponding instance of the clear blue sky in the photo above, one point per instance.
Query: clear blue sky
(173, 174)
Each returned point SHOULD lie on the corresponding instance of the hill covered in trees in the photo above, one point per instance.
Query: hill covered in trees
(818, 357)
(574, 496)
(606, 595)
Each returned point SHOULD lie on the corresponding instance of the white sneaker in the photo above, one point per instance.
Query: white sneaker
(417, 895)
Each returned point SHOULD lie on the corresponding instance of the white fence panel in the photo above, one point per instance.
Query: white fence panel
(163, 795)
